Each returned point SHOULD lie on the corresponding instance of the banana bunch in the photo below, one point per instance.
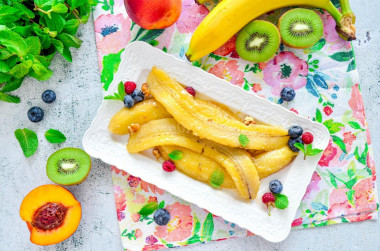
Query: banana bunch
(230, 16)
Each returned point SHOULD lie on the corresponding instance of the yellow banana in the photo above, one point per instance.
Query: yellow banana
(230, 16)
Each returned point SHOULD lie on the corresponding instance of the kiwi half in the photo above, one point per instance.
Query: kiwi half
(68, 166)
(300, 28)
(258, 41)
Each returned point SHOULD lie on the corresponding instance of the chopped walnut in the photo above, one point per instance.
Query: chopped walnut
(145, 89)
(133, 128)
(249, 121)
(156, 153)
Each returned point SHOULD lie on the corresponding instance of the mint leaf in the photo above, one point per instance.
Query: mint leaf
(301, 147)
(217, 178)
(243, 140)
(12, 41)
(118, 96)
(34, 45)
(9, 14)
(4, 67)
(175, 155)
(12, 85)
(9, 98)
(281, 202)
(28, 141)
(162, 204)
(314, 152)
(112, 97)
(71, 26)
(60, 8)
(148, 208)
(69, 40)
(40, 72)
(20, 70)
(55, 136)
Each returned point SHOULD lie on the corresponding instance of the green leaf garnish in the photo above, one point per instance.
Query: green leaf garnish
(162, 204)
(300, 146)
(55, 136)
(281, 202)
(309, 151)
(120, 93)
(148, 208)
(28, 141)
(175, 155)
(217, 178)
(243, 140)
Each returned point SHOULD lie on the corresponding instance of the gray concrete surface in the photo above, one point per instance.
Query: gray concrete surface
(79, 94)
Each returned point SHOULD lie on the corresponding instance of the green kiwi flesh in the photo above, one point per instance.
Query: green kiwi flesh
(300, 28)
(68, 166)
(258, 41)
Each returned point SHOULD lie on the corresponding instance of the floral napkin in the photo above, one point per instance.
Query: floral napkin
(327, 86)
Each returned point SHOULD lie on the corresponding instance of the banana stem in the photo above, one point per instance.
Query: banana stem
(345, 23)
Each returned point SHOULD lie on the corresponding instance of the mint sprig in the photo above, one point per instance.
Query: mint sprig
(308, 151)
(175, 155)
(281, 201)
(28, 141)
(161, 205)
(55, 136)
(148, 208)
(243, 140)
(120, 93)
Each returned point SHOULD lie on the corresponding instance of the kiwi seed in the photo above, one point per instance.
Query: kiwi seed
(258, 41)
(300, 28)
(68, 166)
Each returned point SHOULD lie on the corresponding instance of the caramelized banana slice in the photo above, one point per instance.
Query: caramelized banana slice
(237, 162)
(208, 123)
(271, 162)
(141, 113)
(196, 165)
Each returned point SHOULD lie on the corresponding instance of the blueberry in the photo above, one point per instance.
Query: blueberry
(161, 217)
(295, 131)
(128, 101)
(288, 94)
(138, 95)
(35, 114)
(291, 143)
(275, 186)
(48, 96)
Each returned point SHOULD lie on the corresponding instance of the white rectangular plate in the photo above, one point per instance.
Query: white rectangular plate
(137, 61)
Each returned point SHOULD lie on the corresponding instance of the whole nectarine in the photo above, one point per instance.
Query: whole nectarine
(154, 14)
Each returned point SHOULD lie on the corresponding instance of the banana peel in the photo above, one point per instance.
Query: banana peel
(211, 123)
(196, 165)
(141, 113)
(236, 162)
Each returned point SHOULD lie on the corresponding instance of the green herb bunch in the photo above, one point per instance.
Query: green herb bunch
(31, 32)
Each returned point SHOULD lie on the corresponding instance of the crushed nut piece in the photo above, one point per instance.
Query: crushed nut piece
(133, 128)
(156, 153)
(145, 89)
(249, 121)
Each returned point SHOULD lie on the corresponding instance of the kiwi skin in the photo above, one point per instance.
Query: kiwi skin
(51, 165)
(283, 41)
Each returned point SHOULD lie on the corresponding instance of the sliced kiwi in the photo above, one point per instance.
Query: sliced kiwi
(68, 166)
(300, 28)
(258, 41)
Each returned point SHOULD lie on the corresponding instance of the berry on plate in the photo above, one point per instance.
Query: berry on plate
(268, 199)
(129, 87)
(291, 143)
(128, 101)
(48, 96)
(168, 166)
(35, 114)
(288, 94)
(275, 186)
(307, 138)
(161, 217)
(138, 95)
(295, 131)
(190, 90)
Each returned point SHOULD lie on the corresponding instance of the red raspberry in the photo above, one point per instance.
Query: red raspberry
(190, 90)
(129, 87)
(268, 199)
(168, 166)
(307, 138)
